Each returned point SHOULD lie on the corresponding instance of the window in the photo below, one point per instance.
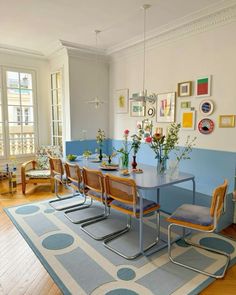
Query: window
(56, 111)
(18, 110)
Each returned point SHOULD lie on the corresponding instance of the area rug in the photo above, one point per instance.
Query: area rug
(80, 265)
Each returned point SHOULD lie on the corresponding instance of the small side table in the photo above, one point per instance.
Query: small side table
(7, 176)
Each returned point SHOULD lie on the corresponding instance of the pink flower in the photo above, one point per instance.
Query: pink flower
(148, 139)
(126, 132)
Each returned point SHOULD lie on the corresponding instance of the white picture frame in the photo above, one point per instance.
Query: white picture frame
(122, 101)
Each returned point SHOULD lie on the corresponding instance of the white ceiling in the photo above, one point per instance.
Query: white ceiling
(39, 24)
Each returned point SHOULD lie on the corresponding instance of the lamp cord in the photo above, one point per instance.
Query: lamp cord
(144, 49)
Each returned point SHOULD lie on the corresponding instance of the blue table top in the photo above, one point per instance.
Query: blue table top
(149, 179)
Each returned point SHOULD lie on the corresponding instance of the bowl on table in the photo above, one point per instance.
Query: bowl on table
(71, 157)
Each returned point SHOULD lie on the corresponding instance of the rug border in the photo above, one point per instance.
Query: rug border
(42, 260)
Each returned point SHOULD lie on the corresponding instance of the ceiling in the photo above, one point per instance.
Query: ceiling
(37, 25)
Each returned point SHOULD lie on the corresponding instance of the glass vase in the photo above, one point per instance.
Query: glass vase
(124, 161)
(134, 163)
(161, 165)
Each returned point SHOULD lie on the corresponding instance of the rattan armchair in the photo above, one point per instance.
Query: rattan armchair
(37, 171)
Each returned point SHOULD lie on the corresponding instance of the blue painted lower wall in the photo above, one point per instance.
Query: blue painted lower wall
(210, 168)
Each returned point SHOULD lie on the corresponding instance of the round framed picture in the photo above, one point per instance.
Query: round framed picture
(206, 107)
(206, 126)
(151, 112)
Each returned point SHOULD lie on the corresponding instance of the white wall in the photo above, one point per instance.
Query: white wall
(209, 53)
(83, 78)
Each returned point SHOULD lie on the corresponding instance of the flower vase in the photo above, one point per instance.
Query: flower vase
(100, 154)
(134, 163)
(161, 165)
(124, 161)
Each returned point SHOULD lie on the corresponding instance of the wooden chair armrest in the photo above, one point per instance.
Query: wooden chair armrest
(31, 162)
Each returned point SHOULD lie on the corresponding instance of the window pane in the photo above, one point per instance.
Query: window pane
(12, 79)
(26, 97)
(28, 115)
(28, 128)
(58, 77)
(1, 131)
(26, 80)
(1, 148)
(14, 131)
(15, 147)
(28, 144)
(55, 128)
(53, 81)
(60, 129)
(13, 96)
(54, 97)
(59, 96)
(14, 114)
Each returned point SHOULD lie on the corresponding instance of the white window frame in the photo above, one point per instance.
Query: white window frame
(51, 106)
(3, 86)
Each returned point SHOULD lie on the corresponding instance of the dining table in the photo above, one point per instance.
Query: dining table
(149, 179)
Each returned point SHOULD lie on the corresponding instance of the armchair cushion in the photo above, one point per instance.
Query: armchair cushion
(42, 155)
(38, 173)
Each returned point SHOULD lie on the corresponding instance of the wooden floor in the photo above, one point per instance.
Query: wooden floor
(22, 273)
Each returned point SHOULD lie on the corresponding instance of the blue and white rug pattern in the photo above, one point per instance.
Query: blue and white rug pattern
(81, 265)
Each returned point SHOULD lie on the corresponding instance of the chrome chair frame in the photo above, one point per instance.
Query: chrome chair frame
(54, 175)
(127, 229)
(94, 219)
(199, 246)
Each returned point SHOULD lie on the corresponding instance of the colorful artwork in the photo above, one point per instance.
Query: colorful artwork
(206, 107)
(137, 109)
(166, 107)
(206, 126)
(122, 98)
(203, 86)
(188, 120)
(226, 121)
(185, 88)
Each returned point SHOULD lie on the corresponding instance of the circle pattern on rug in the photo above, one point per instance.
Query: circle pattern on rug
(27, 209)
(49, 210)
(182, 243)
(126, 274)
(217, 244)
(57, 241)
(121, 292)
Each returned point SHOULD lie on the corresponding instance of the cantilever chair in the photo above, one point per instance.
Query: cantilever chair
(123, 191)
(59, 177)
(202, 219)
(93, 188)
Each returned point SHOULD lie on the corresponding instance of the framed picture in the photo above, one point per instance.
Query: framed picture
(185, 88)
(226, 121)
(188, 120)
(185, 104)
(122, 101)
(166, 107)
(147, 127)
(206, 126)
(206, 107)
(137, 109)
(151, 112)
(203, 86)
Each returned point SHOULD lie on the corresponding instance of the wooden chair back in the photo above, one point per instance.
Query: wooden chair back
(93, 180)
(121, 189)
(56, 166)
(73, 172)
(219, 193)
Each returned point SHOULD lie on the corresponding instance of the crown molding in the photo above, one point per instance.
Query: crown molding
(187, 26)
(21, 51)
